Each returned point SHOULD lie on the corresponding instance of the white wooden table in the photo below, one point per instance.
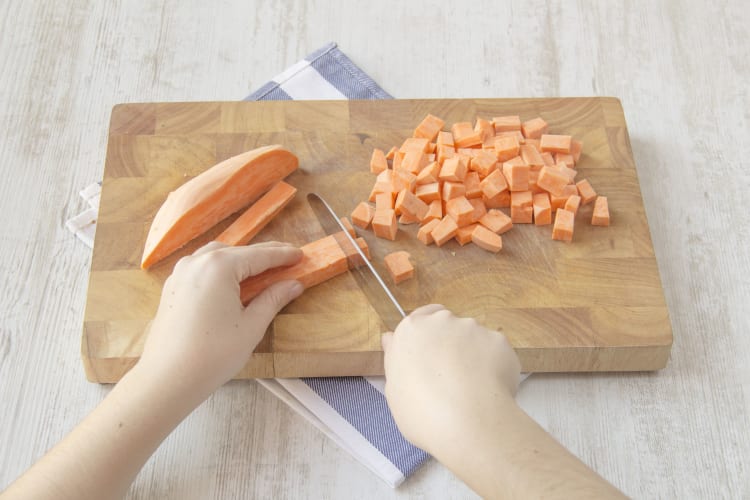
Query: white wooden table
(681, 70)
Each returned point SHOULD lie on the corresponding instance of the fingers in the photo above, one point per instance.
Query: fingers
(246, 261)
(428, 309)
(263, 308)
(209, 247)
(385, 341)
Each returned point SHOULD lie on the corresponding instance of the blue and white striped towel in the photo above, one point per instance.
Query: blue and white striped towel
(350, 410)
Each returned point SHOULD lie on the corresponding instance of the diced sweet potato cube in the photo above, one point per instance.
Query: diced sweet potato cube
(384, 224)
(513, 133)
(414, 162)
(444, 231)
(585, 191)
(563, 228)
(472, 185)
(486, 239)
(496, 221)
(479, 209)
(533, 187)
(493, 184)
(464, 135)
(485, 129)
(506, 148)
(434, 211)
(533, 129)
(429, 128)
(567, 159)
(444, 152)
(601, 212)
(506, 123)
(429, 174)
(378, 163)
(407, 219)
(483, 163)
(453, 190)
(460, 210)
(391, 153)
(428, 192)
(517, 175)
(548, 159)
(542, 209)
(397, 157)
(552, 180)
(404, 180)
(521, 207)
(398, 266)
(348, 225)
(576, 148)
(555, 143)
(445, 139)
(463, 234)
(424, 233)
(500, 200)
(562, 167)
(383, 201)
(418, 144)
(408, 203)
(558, 201)
(362, 215)
(530, 155)
(453, 169)
(573, 203)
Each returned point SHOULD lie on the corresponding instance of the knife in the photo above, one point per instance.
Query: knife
(368, 279)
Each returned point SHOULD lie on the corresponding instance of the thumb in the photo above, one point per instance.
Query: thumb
(386, 340)
(264, 307)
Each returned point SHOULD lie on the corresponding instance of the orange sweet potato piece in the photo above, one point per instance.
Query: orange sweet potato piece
(496, 221)
(506, 123)
(479, 209)
(260, 213)
(444, 152)
(483, 163)
(533, 129)
(500, 200)
(424, 233)
(378, 162)
(553, 180)
(416, 144)
(486, 239)
(407, 219)
(204, 201)
(600, 216)
(542, 209)
(585, 191)
(567, 159)
(429, 174)
(435, 211)
(453, 190)
(444, 230)
(555, 143)
(429, 128)
(445, 139)
(516, 173)
(384, 224)
(493, 184)
(453, 169)
(391, 153)
(413, 162)
(472, 185)
(460, 210)
(506, 148)
(362, 215)
(486, 131)
(428, 192)
(321, 260)
(521, 207)
(558, 201)
(463, 234)
(383, 200)
(464, 135)
(404, 180)
(573, 203)
(563, 228)
(398, 266)
(408, 203)
(349, 228)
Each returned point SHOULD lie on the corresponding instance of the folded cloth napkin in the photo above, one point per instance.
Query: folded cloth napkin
(352, 411)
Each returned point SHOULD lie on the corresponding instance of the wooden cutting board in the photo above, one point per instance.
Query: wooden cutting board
(594, 305)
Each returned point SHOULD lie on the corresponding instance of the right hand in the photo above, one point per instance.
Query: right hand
(443, 373)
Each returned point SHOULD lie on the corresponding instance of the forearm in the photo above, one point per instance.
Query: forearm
(503, 453)
(103, 454)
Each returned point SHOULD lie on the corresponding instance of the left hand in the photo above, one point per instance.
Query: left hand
(202, 335)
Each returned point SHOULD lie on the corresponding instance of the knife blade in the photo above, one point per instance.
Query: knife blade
(369, 280)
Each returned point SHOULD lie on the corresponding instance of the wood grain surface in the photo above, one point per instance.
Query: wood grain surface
(563, 306)
(681, 72)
